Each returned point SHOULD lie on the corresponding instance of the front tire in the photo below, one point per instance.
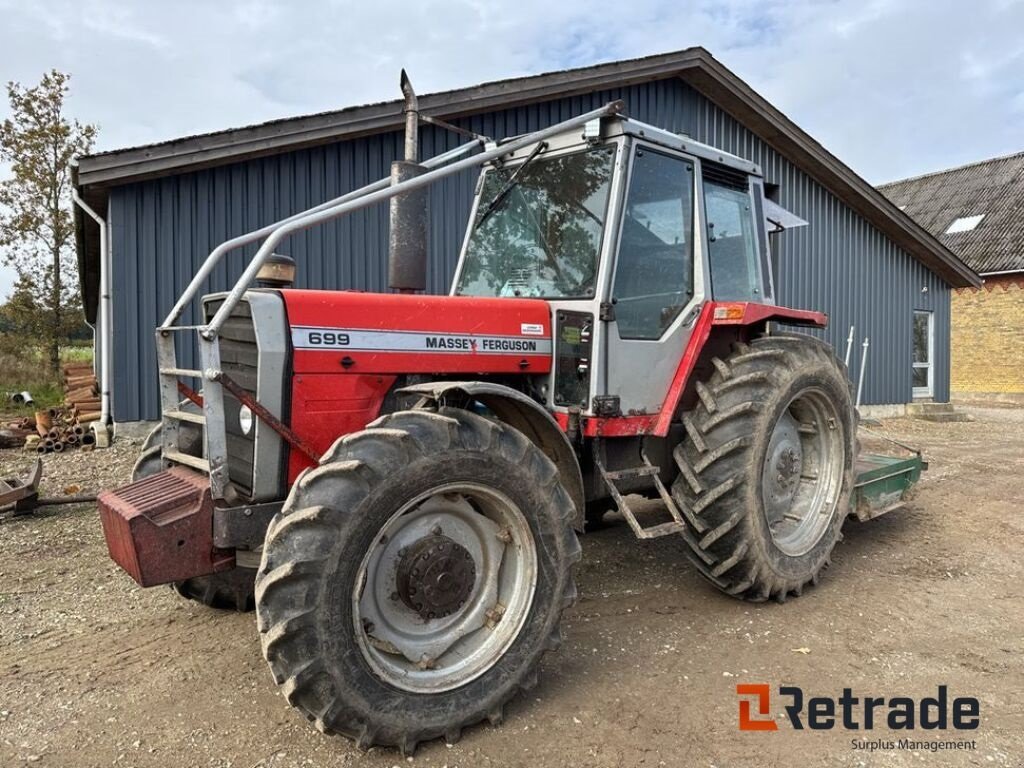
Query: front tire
(414, 579)
(766, 471)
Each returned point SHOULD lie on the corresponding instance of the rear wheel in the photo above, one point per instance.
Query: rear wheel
(230, 590)
(414, 579)
(767, 470)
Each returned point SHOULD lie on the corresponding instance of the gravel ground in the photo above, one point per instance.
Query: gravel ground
(97, 672)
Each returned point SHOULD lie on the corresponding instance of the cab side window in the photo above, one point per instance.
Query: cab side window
(654, 271)
(732, 240)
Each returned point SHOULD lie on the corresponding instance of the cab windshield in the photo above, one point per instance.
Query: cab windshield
(538, 232)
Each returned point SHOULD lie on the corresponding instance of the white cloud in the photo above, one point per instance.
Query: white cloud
(892, 88)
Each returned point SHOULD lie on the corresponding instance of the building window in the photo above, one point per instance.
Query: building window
(965, 223)
(923, 351)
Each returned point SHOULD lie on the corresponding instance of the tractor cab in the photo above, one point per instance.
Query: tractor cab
(623, 223)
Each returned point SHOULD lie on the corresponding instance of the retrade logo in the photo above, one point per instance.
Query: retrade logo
(854, 713)
(761, 693)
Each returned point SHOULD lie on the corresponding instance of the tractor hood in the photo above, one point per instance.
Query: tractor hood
(353, 332)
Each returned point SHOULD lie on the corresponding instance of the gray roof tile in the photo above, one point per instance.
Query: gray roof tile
(992, 187)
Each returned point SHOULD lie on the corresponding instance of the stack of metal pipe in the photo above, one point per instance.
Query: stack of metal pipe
(82, 392)
(60, 429)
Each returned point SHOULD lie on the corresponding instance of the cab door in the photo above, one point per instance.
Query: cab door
(657, 283)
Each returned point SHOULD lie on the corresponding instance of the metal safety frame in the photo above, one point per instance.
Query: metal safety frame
(214, 463)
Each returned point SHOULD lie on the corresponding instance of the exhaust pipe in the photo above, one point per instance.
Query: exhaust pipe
(412, 119)
(407, 244)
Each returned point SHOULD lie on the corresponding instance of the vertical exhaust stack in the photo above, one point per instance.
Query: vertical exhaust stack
(407, 264)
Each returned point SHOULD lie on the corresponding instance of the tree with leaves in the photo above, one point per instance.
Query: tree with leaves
(36, 226)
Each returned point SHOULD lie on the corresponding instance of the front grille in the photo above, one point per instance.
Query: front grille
(239, 359)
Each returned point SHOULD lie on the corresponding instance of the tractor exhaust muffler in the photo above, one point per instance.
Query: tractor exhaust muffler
(407, 244)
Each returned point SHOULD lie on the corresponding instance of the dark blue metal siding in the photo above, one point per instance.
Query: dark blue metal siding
(162, 230)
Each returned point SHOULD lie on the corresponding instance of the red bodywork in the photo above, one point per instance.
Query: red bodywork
(384, 338)
(339, 384)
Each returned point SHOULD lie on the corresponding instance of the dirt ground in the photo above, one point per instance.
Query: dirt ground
(97, 672)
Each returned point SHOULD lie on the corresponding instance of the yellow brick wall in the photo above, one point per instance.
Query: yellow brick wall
(987, 342)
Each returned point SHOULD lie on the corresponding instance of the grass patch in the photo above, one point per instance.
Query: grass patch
(27, 369)
(77, 354)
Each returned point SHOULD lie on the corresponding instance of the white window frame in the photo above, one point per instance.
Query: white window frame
(928, 391)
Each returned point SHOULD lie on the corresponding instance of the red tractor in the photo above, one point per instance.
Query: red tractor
(397, 481)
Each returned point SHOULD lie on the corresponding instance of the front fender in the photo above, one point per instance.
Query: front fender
(521, 412)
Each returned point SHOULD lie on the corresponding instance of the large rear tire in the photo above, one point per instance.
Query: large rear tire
(414, 579)
(766, 471)
(232, 590)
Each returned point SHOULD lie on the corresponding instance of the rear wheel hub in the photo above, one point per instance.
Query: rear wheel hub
(435, 576)
(802, 476)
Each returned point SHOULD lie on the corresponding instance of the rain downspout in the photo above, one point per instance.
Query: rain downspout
(106, 340)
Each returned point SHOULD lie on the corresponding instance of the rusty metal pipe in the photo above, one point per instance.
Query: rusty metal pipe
(412, 119)
(408, 235)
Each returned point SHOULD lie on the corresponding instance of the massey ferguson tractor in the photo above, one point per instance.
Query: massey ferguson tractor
(396, 481)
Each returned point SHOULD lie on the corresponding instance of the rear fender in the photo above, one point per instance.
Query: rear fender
(719, 326)
(520, 412)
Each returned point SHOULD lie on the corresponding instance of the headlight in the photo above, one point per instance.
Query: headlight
(245, 420)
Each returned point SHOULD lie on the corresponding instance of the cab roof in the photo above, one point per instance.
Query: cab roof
(615, 126)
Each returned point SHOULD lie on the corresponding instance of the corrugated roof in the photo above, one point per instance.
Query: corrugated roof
(993, 189)
(696, 66)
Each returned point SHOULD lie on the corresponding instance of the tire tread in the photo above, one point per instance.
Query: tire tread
(715, 454)
(288, 580)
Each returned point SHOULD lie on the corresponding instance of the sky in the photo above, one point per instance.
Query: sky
(894, 88)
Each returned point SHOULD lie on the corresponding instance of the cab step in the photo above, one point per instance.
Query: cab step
(647, 469)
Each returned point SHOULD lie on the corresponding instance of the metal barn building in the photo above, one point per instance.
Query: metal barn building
(164, 207)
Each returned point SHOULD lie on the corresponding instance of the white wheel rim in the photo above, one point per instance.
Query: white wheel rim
(430, 655)
(802, 476)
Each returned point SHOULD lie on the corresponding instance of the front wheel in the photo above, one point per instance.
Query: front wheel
(766, 471)
(414, 579)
